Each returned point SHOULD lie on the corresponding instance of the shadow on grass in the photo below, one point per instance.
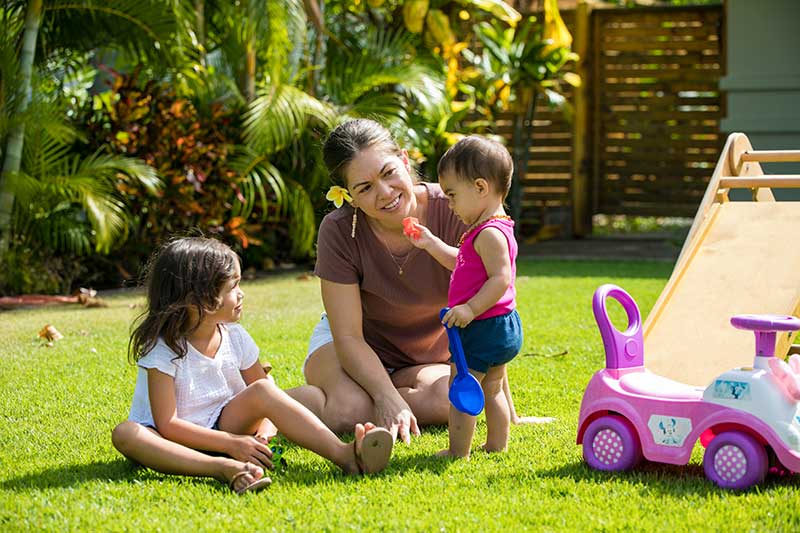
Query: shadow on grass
(75, 474)
(673, 480)
(593, 269)
(123, 471)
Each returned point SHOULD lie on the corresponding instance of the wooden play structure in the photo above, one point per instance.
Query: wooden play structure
(739, 257)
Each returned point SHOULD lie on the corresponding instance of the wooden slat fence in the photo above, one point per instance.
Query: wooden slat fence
(654, 108)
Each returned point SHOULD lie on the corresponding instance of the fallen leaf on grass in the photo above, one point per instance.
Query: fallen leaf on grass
(50, 333)
(88, 298)
(556, 354)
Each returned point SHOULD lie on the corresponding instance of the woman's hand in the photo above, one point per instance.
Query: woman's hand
(250, 449)
(395, 415)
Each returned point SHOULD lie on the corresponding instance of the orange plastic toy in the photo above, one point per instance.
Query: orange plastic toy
(410, 227)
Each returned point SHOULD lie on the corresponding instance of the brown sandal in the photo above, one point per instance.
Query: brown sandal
(376, 449)
(255, 486)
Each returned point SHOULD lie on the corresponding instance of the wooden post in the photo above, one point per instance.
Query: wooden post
(581, 210)
(597, 131)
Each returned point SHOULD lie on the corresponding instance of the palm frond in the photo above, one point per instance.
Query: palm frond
(279, 114)
(379, 106)
(53, 178)
(302, 228)
(144, 28)
(286, 31)
(259, 178)
(377, 74)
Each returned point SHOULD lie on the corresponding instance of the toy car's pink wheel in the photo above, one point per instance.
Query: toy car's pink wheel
(610, 443)
(735, 460)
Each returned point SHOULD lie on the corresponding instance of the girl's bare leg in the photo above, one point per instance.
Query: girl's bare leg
(148, 448)
(498, 417)
(263, 399)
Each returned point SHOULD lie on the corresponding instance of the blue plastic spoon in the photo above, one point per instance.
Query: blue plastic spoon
(466, 393)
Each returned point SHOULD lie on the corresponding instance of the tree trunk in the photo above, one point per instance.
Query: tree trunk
(16, 136)
(522, 145)
(250, 70)
(200, 27)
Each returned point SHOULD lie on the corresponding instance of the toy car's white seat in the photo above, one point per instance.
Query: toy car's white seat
(649, 384)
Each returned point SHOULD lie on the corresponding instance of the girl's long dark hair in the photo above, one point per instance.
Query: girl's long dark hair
(187, 272)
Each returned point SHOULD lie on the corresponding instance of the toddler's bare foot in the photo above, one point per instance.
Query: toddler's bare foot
(447, 453)
(493, 448)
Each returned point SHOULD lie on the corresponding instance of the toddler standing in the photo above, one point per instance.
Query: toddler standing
(475, 174)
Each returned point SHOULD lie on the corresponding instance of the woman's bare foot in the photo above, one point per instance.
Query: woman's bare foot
(266, 431)
(531, 420)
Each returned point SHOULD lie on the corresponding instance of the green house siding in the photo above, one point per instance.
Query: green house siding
(762, 84)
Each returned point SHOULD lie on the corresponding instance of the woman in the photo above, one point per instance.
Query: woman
(380, 353)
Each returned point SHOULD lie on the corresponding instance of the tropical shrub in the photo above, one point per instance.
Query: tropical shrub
(194, 154)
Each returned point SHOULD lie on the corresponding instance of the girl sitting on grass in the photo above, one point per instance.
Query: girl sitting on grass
(200, 387)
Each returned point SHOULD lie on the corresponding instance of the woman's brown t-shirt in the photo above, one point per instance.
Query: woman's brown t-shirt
(400, 312)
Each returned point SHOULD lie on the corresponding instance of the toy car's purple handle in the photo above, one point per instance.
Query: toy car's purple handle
(765, 327)
(623, 349)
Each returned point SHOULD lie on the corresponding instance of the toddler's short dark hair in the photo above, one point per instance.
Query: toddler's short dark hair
(476, 157)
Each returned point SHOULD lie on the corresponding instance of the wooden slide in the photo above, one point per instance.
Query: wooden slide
(740, 257)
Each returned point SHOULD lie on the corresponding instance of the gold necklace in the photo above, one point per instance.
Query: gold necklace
(389, 251)
(398, 265)
(478, 223)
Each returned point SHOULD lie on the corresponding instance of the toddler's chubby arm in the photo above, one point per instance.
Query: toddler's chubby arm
(161, 389)
(422, 238)
(492, 247)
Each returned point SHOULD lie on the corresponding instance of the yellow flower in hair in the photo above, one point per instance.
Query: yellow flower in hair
(338, 195)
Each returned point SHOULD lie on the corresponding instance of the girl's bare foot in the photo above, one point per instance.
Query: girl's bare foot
(244, 477)
(266, 431)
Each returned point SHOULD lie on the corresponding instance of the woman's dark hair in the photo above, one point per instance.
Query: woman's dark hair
(187, 272)
(349, 139)
(476, 157)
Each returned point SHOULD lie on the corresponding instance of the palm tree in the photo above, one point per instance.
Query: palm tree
(68, 203)
(16, 133)
(134, 24)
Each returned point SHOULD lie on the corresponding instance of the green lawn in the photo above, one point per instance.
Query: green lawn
(58, 470)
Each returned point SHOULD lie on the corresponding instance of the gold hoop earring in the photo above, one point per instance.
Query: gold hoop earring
(355, 221)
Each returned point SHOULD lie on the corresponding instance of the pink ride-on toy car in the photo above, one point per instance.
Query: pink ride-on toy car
(745, 418)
